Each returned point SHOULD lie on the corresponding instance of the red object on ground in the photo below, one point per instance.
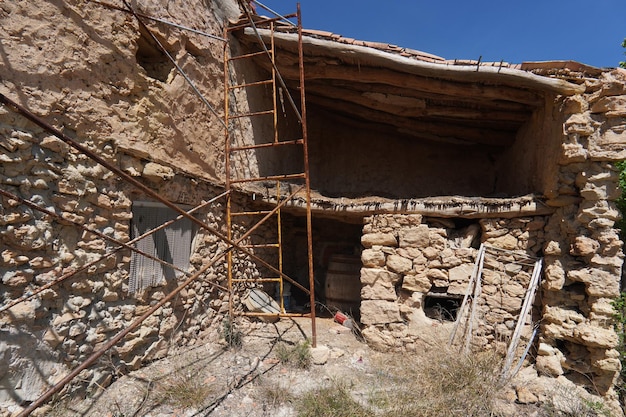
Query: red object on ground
(340, 317)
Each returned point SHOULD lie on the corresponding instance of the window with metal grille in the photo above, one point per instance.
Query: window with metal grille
(171, 244)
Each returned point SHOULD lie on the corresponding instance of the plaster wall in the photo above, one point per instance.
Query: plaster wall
(352, 161)
(527, 167)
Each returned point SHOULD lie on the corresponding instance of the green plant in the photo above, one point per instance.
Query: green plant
(619, 323)
(623, 64)
(298, 355)
(330, 401)
(621, 200)
(232, 335)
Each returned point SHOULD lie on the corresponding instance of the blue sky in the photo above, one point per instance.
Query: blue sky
(588, 31)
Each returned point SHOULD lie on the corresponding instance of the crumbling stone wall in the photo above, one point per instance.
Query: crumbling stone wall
(74, 318)
(88, 71)
(406, 256)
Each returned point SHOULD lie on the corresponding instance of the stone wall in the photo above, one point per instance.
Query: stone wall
(406, 257)
(90, 72)
(74, 318)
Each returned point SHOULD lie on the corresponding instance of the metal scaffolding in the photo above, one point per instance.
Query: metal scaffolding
(232, 243)
(282, 182)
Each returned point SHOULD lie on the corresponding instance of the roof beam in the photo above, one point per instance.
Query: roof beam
(414, 107)
(462, 134)
(363, 74)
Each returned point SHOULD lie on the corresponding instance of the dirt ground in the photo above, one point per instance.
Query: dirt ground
(246, 381)
(213, 379)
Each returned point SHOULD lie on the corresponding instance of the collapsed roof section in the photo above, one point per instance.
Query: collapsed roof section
(414, 93)
(393, 129)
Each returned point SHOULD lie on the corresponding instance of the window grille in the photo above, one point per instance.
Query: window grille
(171, 244)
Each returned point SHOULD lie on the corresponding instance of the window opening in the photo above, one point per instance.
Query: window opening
(442, 306)
(171, 244)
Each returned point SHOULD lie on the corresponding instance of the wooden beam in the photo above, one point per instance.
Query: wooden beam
(355, 55)
(443, 100)
(407, 125)
(314, 70)
(417, 108)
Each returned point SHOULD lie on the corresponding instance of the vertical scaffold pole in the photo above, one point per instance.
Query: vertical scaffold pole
(309, 225)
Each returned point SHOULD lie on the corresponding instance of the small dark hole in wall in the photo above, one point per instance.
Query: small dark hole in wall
(152, 59)
(441, 307)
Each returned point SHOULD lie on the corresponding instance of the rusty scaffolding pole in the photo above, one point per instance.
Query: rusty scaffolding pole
(269, 145)
(232, 244)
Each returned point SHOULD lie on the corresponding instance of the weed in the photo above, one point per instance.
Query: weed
(274, 395)
(298, 355)
(332, 401)
(184, 391)
(232, 335)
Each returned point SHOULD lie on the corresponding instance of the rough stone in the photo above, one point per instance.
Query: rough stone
(382, 239)
(399, 264)
(369, 276)
(157, 173)
(417, 237)
(416, 282)
(549, 365)
(379, 312)
(381, 290)
(584, 246)
(525, 396)
(372, 258)
(320, 355)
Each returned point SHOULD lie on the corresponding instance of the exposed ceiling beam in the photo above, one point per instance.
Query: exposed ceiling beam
(414, 107)
(479, 135)
(473, 102)
(364, 74)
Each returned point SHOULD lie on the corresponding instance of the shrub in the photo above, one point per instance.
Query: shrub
(298, 355)
(332, 401)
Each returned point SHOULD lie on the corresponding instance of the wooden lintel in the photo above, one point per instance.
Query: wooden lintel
(447, 207)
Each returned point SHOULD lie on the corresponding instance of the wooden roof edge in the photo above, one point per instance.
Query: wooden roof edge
(363, 55)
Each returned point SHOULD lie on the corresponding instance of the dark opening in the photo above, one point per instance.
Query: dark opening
(442, 307)
(152, 59)
(336, 262)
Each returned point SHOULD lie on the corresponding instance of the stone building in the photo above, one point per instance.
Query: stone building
(416, 162)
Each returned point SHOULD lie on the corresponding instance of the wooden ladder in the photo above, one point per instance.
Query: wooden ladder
(470, 302)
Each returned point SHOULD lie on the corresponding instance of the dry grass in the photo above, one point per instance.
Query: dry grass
(274, 395)
(441, 382)
(298, 355)
(185, 391)
(331, 401)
